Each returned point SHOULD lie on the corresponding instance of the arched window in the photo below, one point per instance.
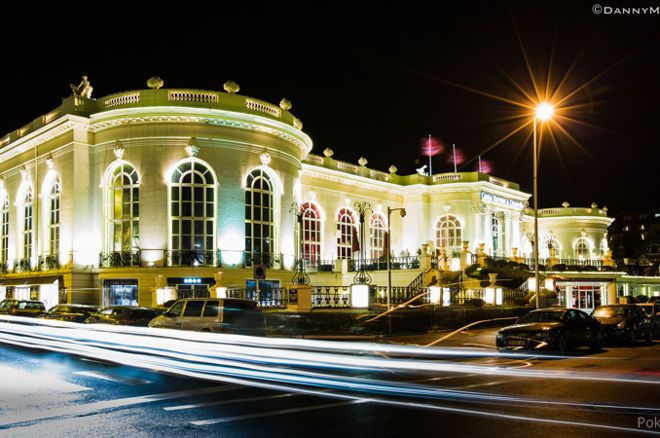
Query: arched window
(582, 249)
(4, 232)
(54, 218)
(259, 214)
(345, 230)
(27, 226)
(549, 242)
(377, 235)
(311, 232)
(192, 210)
(448, 232)
(496, 234)
(123, 209)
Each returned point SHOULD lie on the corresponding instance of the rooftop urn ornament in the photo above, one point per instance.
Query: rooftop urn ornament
(155, 82)
(84, 89)
(604, 209)
(265, 158)
(285, 104)
(594, 205)
(192, 149)
(328, 153)
(118, 150)
(565, 204)
(231, 87)
(362, 161)
(392, 169)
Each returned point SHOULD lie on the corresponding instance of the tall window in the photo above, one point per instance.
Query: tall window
(549, 242)
(4, 232)
(582, 249)
(123, 209)
(496, 233)
(259, 213)
(27, 225)
(377, 235)
(311, 232)
(54, 219)
(192, 194)
(448, 232)
(345, 232)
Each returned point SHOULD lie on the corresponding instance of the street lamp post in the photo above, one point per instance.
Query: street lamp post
(543, 112)
(362, 276)
(389, 248)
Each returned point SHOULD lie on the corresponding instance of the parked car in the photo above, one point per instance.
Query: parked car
(652, 310)
(70, 312)
(29, 308)
(218, 315)
(624, 323)
(123, 315)
(551, 329)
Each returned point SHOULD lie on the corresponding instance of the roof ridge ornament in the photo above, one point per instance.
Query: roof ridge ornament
(192, 149)
(155, 82)
(231, 87)
(286, 104)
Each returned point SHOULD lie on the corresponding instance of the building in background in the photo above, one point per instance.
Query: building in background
(145, 195)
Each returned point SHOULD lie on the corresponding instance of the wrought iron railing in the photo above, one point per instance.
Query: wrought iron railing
(319, 265)
(119, 259)
(410, 262)
(276, 297)
(190, 258)
(22, 265)
(48, 262)
(260, 258)
(331, 296)
(402, 294)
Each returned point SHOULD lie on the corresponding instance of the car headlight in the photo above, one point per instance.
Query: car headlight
(621, 325)
(542, 336)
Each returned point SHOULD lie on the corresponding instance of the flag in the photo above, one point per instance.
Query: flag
(356, 241)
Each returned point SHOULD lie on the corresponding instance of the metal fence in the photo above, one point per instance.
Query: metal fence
(403, 294)
(410, 262)
(331, 296)
(276, 297)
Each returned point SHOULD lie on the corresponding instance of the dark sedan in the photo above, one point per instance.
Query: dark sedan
(551, 329)
(28, 308)
(123, 315)
(70, 312)
(624, 323)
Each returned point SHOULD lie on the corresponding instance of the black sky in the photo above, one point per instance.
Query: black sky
(374, 80)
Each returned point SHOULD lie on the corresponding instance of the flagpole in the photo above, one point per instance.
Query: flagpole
(480, 164)
(430, 152)
(453, 147)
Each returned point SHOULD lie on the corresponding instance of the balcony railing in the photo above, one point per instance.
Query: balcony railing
(403, 294)
(190, 258)
(276, 297)
(411, 262)
(23, 265)
(49, 262)
(119, 259)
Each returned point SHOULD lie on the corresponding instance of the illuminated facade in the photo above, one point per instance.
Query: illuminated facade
(128, 197)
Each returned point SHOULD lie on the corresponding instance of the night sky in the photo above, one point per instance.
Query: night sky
(374, 81)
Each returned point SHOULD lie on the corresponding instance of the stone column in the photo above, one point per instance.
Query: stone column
(488, 230)
(465, 255)
(299, 297)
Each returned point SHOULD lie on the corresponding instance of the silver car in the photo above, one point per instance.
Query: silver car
(217, 315)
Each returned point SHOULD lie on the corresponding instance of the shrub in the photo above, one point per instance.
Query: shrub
(641, 299)
(476, 302)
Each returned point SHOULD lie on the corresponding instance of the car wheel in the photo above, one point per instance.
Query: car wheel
(597, 343)
(632, 337)
(560, 344)
(205, 330)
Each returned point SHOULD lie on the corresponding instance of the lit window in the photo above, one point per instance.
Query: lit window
(377, 235)
(582, 249)
(54, 218)
(27, 226)
(4, 231)
(345, 231)
(311, 232)
(123, 209)
(259, 214)
(496, 232)
(192, 214)
(448, 232)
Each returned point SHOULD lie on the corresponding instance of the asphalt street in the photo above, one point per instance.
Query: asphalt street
(54, 394)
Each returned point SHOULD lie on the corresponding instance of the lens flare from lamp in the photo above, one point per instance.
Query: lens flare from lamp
(544, 111)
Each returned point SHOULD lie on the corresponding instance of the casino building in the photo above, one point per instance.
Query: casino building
(145, 195)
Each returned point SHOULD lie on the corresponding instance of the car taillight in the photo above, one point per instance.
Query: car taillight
(13, 310)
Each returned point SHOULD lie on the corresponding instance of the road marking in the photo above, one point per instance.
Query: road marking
(276, 413)
(117, 379)
(225, 402)
(91, 408)
(479, 385)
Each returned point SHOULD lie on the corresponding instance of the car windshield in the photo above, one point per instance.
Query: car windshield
(540, 317)
(611, 311)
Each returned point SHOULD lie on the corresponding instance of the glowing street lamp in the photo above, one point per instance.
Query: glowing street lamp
(544, 112)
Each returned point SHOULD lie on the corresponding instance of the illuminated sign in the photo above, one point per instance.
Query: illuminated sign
(494, 199)
(192, 281)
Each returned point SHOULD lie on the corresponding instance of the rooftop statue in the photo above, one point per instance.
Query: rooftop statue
(84, 89)
(422, 170)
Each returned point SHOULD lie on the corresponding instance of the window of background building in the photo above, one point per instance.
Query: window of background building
(27, 225)
(377, 235)
(311, 232)
(259, 213)
(54, 219)
(345, 234)
(192, 209)
(496, 232)
(448, 232)
(123, 209)
(582, 249)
